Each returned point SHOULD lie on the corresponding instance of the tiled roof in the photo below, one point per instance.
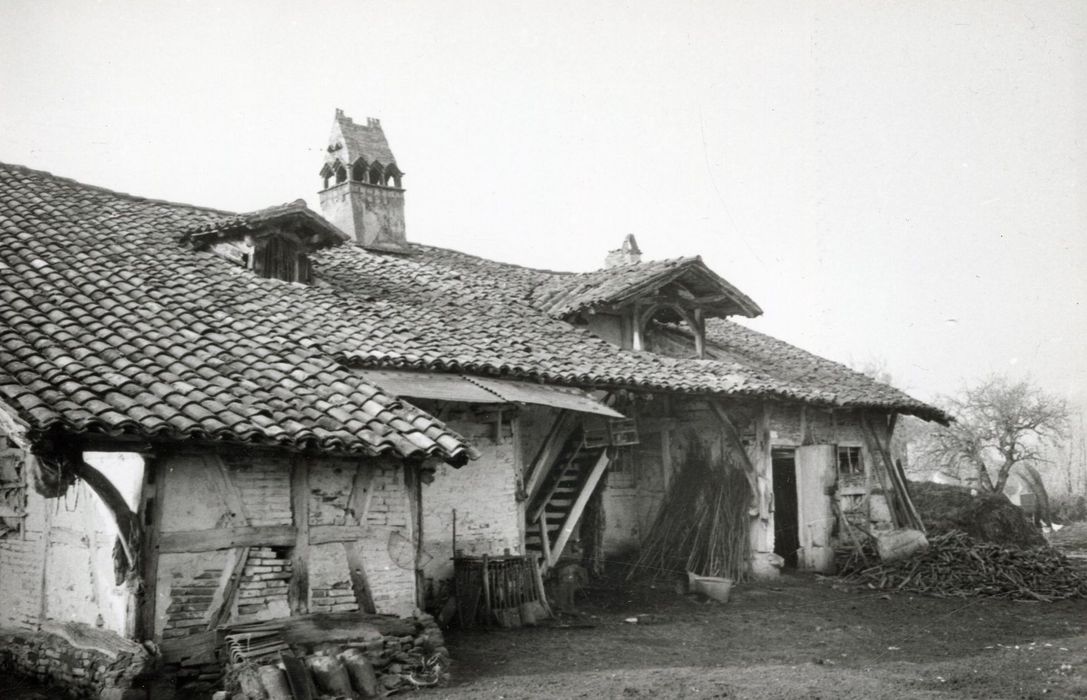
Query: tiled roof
(489, 321)
(733, 342)
(110, 325)
(563, 295)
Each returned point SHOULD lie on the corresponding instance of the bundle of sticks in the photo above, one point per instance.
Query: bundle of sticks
(703, 524)
(957, 565)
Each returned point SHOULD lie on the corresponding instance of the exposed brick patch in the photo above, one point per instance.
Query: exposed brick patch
(190, 601)
(262, 592)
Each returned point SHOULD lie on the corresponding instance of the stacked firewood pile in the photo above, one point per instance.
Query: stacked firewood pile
(956, 565)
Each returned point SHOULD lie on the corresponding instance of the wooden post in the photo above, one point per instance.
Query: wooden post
(298, 592)
(544, 542)
(47, 537)
(487, 614)
(151, 517)
(699, 334)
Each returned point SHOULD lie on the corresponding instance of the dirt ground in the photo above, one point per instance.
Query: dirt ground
(803, 636)
(800, 637)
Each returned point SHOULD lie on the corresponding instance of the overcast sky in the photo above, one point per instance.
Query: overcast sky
(895, 181)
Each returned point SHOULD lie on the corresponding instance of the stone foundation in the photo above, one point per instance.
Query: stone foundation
(87, 662)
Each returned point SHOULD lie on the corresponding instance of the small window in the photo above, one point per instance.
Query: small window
(849, 461)
(278, 258)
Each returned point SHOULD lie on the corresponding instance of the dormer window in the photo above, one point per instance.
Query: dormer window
(274, 243)
(282, 259)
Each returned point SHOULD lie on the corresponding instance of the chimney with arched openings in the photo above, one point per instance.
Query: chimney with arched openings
(363, 191)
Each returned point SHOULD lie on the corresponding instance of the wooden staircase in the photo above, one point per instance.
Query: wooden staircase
(563, 489)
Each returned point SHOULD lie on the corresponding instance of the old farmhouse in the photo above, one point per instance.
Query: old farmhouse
(214, 421)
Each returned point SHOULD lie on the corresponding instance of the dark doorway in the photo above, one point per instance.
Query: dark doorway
(786, 525)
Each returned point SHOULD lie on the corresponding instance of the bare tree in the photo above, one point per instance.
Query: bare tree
(1000, 425)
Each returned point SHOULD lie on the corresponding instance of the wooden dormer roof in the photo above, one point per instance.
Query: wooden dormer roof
(688, 281)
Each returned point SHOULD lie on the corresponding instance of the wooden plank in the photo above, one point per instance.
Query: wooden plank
(221, 615)
(229, 538)
(579, 504)
(329, 534)
(360, 584)
(298, 592)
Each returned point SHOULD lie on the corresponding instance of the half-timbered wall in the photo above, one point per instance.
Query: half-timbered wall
(56, 554)
(259, 536)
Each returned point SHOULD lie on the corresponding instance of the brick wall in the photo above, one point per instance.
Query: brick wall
(265, 488)
(490, 519)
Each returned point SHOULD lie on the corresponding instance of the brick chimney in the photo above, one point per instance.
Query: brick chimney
(363, 193)
(627, 254)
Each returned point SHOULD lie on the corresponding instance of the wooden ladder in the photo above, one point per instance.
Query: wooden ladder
(564, 492)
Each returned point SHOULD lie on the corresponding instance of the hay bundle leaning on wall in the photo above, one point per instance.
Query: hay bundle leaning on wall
(703, 524)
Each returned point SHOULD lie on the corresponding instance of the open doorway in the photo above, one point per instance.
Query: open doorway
(786, 522)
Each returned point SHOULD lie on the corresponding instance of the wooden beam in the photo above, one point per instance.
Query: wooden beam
(579, 504)
(298, 592)
(360, 583)
(221, 615)
(329, 534)
(127, 523)
(226, 538)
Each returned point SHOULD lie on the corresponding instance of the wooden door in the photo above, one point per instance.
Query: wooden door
(816, 472)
